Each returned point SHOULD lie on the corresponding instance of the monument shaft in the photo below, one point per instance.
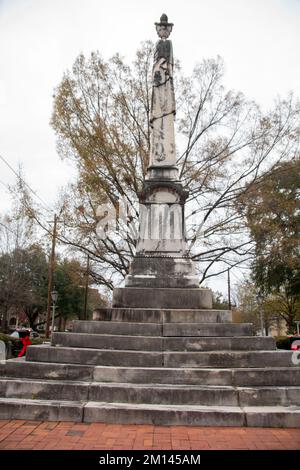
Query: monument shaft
(162, 259)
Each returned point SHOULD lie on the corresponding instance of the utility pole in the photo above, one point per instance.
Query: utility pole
(51, 273)
(229, 290)
(87, 272)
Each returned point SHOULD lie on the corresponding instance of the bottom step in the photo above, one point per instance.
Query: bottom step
(163, 415)
(41, 410)
(192, 415)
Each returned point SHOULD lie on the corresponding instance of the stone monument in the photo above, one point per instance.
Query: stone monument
(162, 274)
(161, 355)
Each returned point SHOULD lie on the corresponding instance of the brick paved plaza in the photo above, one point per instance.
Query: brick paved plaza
(21, 435)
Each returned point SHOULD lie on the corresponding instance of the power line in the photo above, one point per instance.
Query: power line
(26, 184)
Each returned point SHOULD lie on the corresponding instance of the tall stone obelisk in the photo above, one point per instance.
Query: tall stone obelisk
(162, 275)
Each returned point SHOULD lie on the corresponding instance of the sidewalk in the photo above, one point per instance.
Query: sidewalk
(20, 434)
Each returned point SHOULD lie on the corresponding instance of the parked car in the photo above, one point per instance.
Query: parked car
(34, 334)
(22, 332)
(295, 343)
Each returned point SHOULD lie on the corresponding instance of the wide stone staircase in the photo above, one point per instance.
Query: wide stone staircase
(189, 367)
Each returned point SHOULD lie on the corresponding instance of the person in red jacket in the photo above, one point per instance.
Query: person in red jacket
(26, 342)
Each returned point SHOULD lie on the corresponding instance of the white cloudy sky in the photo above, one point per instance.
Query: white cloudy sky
(39, 39)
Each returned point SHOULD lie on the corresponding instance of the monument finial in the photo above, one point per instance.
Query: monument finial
(164, 28)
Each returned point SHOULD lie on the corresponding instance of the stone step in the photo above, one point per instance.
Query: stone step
(163, 375)
(56, 371)
(219, 359)
(124, 413)
(41, 410)
(107, 357)
(166, 329)
(272, 376)
(163, 394)
(269, 396)
(117, 328)
(120, 393)
(44, 389)
(156, 343)
(275, 376)
(166, 415)
(194, 395)
(228, 359)
(142, 315)
(104, 341)
(44, 370)
(213, 329)
(149, 393)
(199, 343)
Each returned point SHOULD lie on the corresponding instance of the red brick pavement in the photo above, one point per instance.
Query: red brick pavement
(20, 434)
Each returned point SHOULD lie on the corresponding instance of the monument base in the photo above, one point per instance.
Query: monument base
(164, 272)
(143, 297)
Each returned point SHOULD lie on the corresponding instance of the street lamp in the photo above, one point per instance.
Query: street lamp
(260, 307)
(54, 295)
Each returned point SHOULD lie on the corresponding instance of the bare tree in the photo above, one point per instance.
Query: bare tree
(226, 145)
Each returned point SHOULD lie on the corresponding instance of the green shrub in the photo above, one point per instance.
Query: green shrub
(283, 342)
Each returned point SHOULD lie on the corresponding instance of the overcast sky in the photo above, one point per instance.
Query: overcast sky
(39, 39)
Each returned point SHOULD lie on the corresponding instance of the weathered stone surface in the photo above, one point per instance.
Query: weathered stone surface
(42, 370)
(197, 316)
(148, 315)
(207, 329)
(166, 173)
(40, 410)
(156, 359)
(163, 106)
(162, 272)
(269, 396)
(163, 414)
(273, 416)
(134, 297)
(194, 415)
(44, 389)
(159, 343)
(246, 343)
(276, 416)
(94, 356)
(118, 328)
(164, 394)
(228, 359)
(163, 375)
(83, 340)
(272, 376)
(248, 377)
(208, 396)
